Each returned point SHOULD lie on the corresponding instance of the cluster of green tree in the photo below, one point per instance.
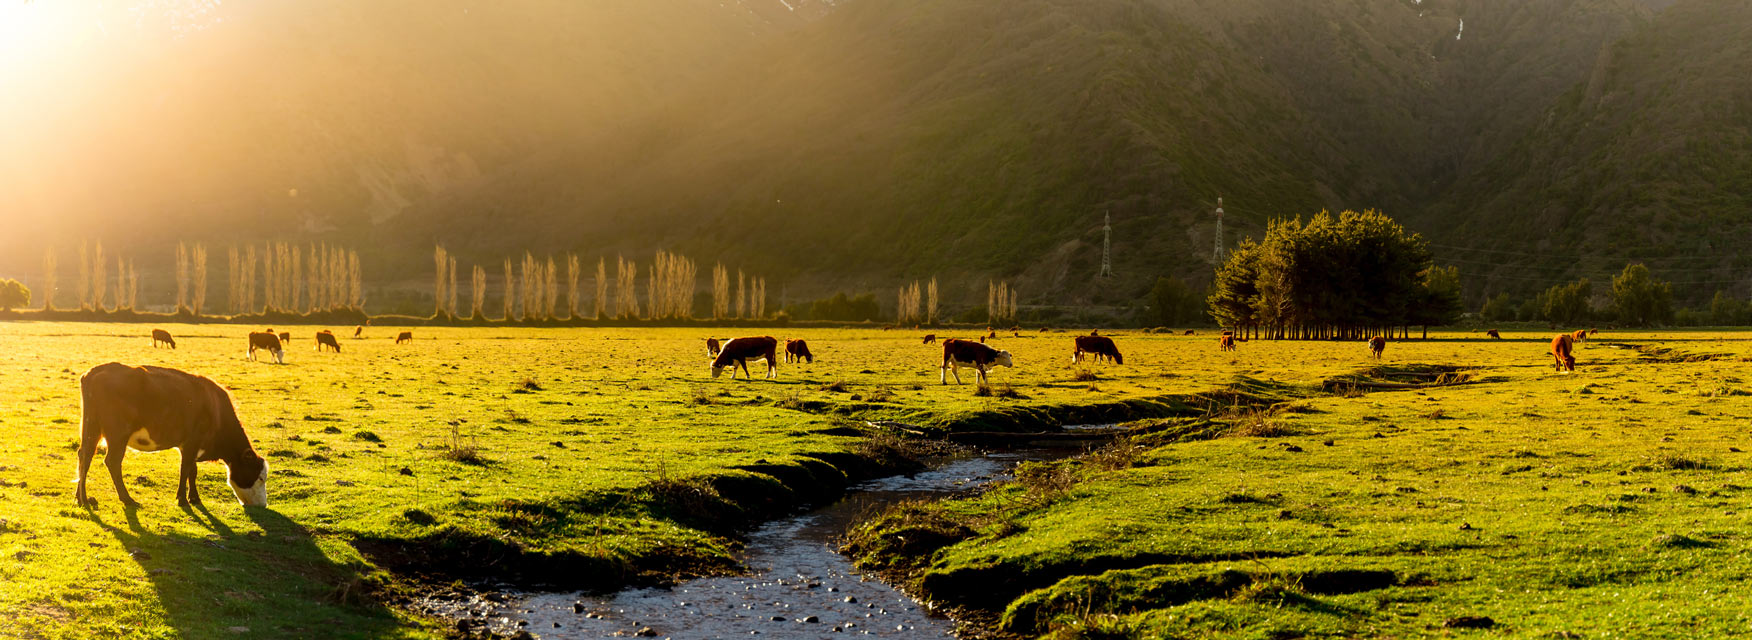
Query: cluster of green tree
(1637, 299)
(1347, 276)
(839, 308)
(1173, 303)
(13, 295)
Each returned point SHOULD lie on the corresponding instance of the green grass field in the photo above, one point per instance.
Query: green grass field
(609, 457)
(1608, 503)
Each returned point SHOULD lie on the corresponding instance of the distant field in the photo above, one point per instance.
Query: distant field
(588, 439)
(1609, 503)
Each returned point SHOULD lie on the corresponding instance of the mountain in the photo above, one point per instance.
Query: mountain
(1648, 159)
(855, 144)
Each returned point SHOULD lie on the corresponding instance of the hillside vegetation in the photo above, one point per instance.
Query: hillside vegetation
(852, 144)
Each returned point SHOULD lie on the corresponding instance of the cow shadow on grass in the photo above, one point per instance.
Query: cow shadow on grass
(272, 580)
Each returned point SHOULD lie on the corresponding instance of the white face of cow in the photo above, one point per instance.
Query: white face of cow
(1003, 360)
(716, 371)
(255, 495)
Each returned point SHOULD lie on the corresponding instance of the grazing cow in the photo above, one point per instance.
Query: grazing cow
(266, 340)
(1377, 344)
(976, 354)
(153, 409)
(1493, 334)
(358, 332)
(405, 336)
(1561, 348)
(931, 339)
(1188, 332)
(712, 347)
(1579, 335)
(285, 337)
(738, 351)
(1593, 332)
(1226, 341)
(990, 333)
(326, 338)
(1099, 346)
(160, 336)
(798, 351)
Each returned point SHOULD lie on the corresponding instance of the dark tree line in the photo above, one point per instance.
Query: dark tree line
(1348, 276)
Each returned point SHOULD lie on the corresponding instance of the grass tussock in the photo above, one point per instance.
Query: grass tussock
(1046, 481)
(1085, 375)
(463, 449)
(837, 386)
(1673, 461)
(1123, 453)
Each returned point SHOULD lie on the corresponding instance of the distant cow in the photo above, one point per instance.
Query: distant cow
(405, 336)
(327, 339)
(738, 351)
(1593, 332)
(712, 347)
(1099, 346)
(798, 351)
(1493, 334)
(160, 336)
(285, 337)
(1377, 345)
(1226, 341)
(153, 409)
(1188, 332)
(268, 341)
(1561, 351)
(976, 354)
(931, 339)
(359, 332)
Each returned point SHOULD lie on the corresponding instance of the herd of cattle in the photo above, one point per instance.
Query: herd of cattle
(152, 408)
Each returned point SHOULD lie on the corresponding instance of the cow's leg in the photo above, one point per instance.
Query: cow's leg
(955, 370)
(88, 438)
(186, 494)
(113, 460)
(745, 374)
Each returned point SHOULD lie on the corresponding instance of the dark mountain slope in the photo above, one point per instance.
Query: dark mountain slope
(1650, 158)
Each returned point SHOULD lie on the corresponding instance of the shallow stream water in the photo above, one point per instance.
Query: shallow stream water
(797, 587)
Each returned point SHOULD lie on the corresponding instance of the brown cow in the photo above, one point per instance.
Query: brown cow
(713, 347)
(358, 332)
(1593, 332)
(798, 351)
(1188, 332)
(1493, 334)
(1561, 348)
(285, 337)
(981, 357)
(931, 339)
(738, 351)
(1579, 335)
(1226, 341)
(326, 338)
(153, 409)
(160, 336)
(405, 336)
(1377, 345)
(1099, 346)
(266, 340)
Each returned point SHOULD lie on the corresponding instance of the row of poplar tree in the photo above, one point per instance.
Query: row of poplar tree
(530, 290)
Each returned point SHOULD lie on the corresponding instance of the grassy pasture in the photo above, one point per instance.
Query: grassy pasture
(1609, 503)
(576, 430)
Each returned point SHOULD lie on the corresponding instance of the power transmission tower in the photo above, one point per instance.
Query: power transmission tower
(1106, 245)
(1218, 253)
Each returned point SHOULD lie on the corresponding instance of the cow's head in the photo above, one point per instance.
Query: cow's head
(1118, 359)
(249, 480)
(1003, 360)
